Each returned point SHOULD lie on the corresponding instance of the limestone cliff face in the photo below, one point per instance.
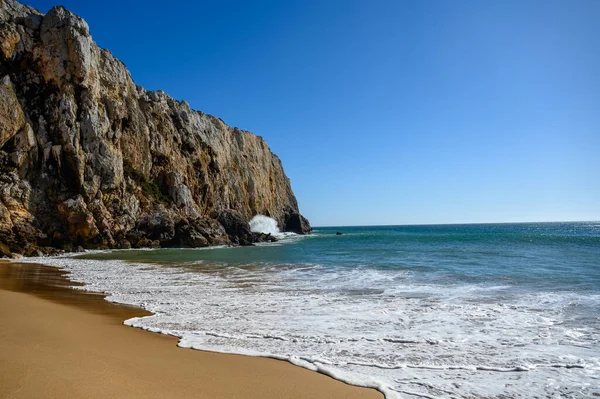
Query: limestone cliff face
(88, 158)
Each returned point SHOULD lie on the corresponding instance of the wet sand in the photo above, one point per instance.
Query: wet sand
(58, 342)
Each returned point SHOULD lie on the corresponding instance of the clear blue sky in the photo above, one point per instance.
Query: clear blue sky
(389, 112)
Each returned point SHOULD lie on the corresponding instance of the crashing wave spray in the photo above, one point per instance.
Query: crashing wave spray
(265, 224)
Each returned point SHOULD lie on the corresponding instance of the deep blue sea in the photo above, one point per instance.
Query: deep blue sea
(433, 311)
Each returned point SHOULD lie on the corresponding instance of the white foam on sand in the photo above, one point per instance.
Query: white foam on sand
(368, 327)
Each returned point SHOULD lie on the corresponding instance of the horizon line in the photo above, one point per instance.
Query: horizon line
(461, 223)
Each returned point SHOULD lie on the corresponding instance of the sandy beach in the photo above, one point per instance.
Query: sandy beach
(57, 342)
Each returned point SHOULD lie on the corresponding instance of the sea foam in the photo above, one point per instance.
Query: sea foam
(368, 327)
(266, 225)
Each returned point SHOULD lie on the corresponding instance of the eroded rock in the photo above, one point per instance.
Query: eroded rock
(11, 114)
(79, 221)
(87, 158)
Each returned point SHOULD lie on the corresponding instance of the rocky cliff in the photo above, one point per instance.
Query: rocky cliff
(89, 159)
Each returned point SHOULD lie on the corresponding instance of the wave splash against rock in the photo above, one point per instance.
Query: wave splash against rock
(266, 225)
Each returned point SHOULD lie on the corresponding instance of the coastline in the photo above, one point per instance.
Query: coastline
(63, 342)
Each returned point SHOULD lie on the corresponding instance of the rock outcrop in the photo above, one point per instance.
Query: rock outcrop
(87, 158)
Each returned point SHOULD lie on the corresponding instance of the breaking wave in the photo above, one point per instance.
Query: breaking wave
(266, 225)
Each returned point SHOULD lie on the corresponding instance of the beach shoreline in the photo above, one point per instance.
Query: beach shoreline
(56, 341)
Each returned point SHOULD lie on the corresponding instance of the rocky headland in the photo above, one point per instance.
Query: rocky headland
(90, 160)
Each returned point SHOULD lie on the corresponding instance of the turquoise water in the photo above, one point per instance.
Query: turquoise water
(528, 256)
(481, 310)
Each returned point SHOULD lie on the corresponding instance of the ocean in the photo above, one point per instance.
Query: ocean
(431, 311)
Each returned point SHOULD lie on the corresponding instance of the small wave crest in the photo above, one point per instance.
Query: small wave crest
(369, 326)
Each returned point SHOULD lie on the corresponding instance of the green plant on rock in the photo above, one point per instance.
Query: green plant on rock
(51, 194)
(149, 187)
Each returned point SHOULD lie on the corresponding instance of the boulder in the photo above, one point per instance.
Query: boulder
(158, 226)
(262, 237)
(187, 235)
(236, 226)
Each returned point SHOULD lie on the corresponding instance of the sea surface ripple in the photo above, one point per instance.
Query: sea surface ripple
(478, 311)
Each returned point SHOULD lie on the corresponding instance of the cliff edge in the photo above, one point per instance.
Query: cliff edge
(89, 159)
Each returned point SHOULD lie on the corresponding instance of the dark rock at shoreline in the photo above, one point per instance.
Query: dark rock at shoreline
(296, 223)
(235, 225)
(199, 232)
(88, 159)
(263, 237)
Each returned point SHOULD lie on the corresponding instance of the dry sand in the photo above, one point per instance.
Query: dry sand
(56, 342)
